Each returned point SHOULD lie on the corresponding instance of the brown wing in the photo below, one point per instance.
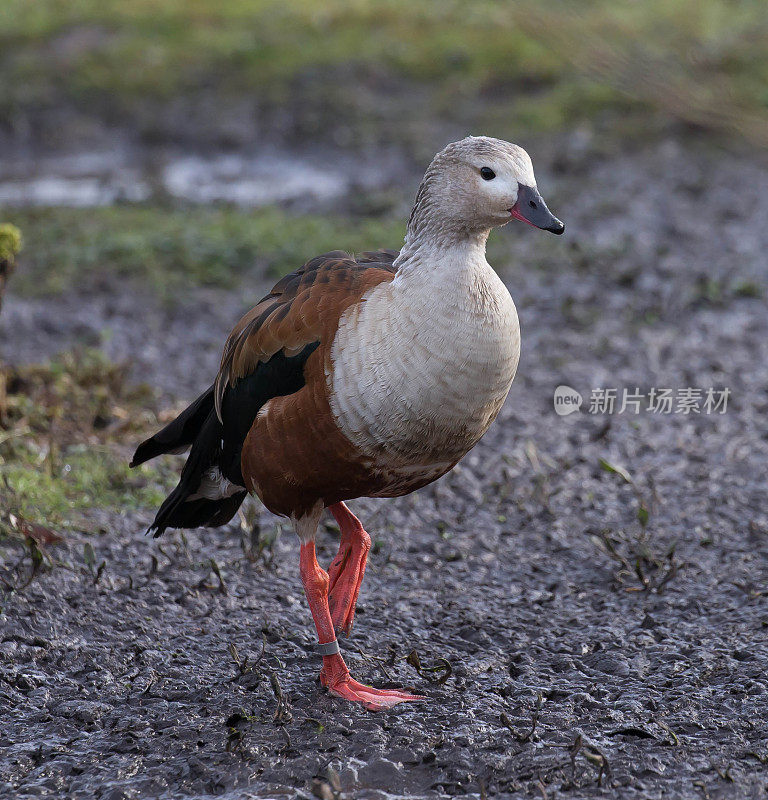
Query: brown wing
(303, 308)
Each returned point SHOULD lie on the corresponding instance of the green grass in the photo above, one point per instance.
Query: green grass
(82, 481)
(67, 429)
(538, 65)
(168, 249)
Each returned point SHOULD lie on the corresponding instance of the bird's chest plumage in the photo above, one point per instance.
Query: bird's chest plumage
(420, 369)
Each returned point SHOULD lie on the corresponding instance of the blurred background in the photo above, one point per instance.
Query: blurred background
(138, 136)
(165, 160)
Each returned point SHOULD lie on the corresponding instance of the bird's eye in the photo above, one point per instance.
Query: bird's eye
(487, 174)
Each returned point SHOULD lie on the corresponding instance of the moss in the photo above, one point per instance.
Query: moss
(10, 242)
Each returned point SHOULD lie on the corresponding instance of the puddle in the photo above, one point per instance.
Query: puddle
(57, 191)
(250, 182)
(263, 178)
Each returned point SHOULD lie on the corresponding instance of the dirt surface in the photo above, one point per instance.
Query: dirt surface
(574, 672)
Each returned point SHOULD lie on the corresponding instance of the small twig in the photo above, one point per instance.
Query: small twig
(573, 751)
(282, 712)
(378, 660)
(665, 727)
(217, 573)
(443, 665)
(243, 665)
(534, 719)
(593, 755)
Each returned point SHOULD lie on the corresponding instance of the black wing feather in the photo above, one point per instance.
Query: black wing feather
(218, 444)
(179, 434)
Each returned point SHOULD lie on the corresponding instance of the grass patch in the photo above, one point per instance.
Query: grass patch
(66, 431)
(541, 65)
(168, 249)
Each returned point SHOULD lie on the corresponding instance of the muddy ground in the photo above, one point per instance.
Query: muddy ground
(588, 656)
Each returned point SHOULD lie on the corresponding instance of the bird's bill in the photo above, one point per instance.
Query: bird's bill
(531, 208)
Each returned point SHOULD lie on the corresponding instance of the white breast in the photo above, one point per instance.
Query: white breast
(423, 365)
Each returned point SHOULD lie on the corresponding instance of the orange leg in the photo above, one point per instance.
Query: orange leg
(334, 674)
(347, 569)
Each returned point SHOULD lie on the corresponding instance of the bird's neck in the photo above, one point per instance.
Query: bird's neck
(429, 226)
(442, 259)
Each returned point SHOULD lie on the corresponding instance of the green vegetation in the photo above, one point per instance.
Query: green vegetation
(10, 242)
(10, 245)
(66, 431)
(168, 249)
(85, 479)
(541, 65)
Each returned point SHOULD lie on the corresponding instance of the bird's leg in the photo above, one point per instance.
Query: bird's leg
(347, 569)
(336, 567)
(334, 674)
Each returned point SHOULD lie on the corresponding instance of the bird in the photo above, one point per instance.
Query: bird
(365, 375)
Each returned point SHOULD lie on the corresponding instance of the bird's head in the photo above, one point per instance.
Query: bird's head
(476, 184)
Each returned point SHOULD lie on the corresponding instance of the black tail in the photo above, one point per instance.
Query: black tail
(202, 498)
